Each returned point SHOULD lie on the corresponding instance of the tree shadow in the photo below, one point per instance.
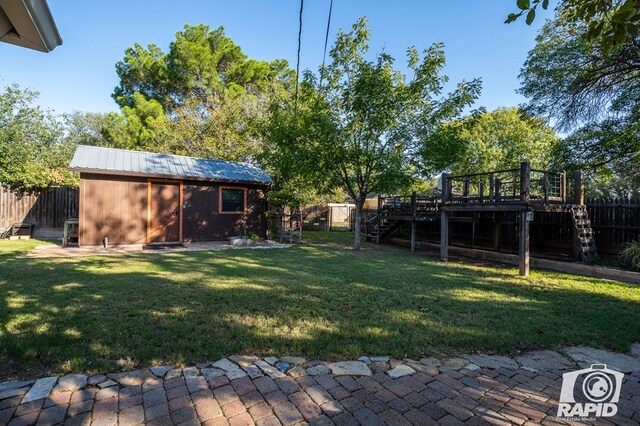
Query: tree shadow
(101, 314)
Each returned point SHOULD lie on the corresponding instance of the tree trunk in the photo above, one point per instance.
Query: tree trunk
(357, 223)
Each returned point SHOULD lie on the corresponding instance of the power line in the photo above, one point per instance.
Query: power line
(295, 101)
(326, 40)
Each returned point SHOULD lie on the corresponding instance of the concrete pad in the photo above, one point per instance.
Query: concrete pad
(493, 361)
(350, 368)
(585, 357)
(545, 360)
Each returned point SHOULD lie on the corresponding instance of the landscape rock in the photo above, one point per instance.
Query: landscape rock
(350, 368)
(236, 374)
(252, 371)
(173, 374)
(282, 366)
(244, 360)
(95, 380)
(11, 392)
(212, 373)
(472, 367)
(585, 357)
(317, 370)
(635, 350)
(160, 370)
(107, 384)
(431, 371)
(296, 372)
(71, 382)
(394, 362)
(545, 360)
(40, 389)
(271, 360)
(400, 371)
(131, 378)
(493, 361)
(293, 360)
(379, 358)
(365, 359)
(431, 362)
(456, 363)
(5, 386)
(226, 365)
(270, 370)
(190, 372)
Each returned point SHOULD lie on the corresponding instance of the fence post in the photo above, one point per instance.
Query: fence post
(491, 188)
(496, 195)
(465, 190)
(378, 219)
(413, 221)
(546, 187)
(578, 197)
(563, 187)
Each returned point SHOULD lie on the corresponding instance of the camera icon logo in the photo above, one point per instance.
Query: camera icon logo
(590, 392)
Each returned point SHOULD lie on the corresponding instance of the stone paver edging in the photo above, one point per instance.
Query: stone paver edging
(247, 390)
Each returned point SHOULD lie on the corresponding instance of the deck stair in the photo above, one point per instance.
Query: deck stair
(583, 233)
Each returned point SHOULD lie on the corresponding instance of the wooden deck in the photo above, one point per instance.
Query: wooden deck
(523, 191)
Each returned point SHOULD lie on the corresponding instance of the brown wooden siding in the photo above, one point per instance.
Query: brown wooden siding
(116, 207)
(203, 220)
(113, 207)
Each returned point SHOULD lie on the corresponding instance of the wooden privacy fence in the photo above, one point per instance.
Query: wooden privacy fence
(46, 208)
(614, 223)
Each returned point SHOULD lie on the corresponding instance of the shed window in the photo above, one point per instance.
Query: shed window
(232, 200)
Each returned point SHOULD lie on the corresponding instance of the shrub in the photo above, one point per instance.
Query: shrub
(631, 254)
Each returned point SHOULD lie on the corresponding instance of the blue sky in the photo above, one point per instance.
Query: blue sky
(80, 74)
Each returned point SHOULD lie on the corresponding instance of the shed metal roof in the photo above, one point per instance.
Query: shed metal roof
(114, 161)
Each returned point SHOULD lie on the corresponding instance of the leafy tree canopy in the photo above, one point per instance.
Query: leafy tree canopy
(591, 94)
(202, 98)
(201, 62)
(487, 141)
(32, 151)
(609, 23)
(362, 125)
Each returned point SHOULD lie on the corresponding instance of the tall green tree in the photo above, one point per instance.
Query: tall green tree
(592, 95)
(203, 97)
(609, 23)
(363, 124)
(487, 141)
(33, 153)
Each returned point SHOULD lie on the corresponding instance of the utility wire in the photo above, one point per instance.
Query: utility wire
(295, 101)
(326, 40)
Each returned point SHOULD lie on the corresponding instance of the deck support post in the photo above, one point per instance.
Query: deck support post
(413, 221)
(444, 236)
(444, 220)
(523, 243)
(497, 229)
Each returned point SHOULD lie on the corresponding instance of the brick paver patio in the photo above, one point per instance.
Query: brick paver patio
(252, 391)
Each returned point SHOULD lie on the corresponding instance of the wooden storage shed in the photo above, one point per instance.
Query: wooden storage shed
(135, 197)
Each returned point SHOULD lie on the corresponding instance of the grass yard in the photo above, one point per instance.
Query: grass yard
(98, 314)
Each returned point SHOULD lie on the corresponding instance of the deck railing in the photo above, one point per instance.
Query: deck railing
(503, 186)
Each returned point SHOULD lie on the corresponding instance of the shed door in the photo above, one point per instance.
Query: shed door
(164, 218)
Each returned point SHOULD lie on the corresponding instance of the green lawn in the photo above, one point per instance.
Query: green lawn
(322, 300)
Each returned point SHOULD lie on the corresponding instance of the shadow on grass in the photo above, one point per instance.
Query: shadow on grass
(104, 313)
